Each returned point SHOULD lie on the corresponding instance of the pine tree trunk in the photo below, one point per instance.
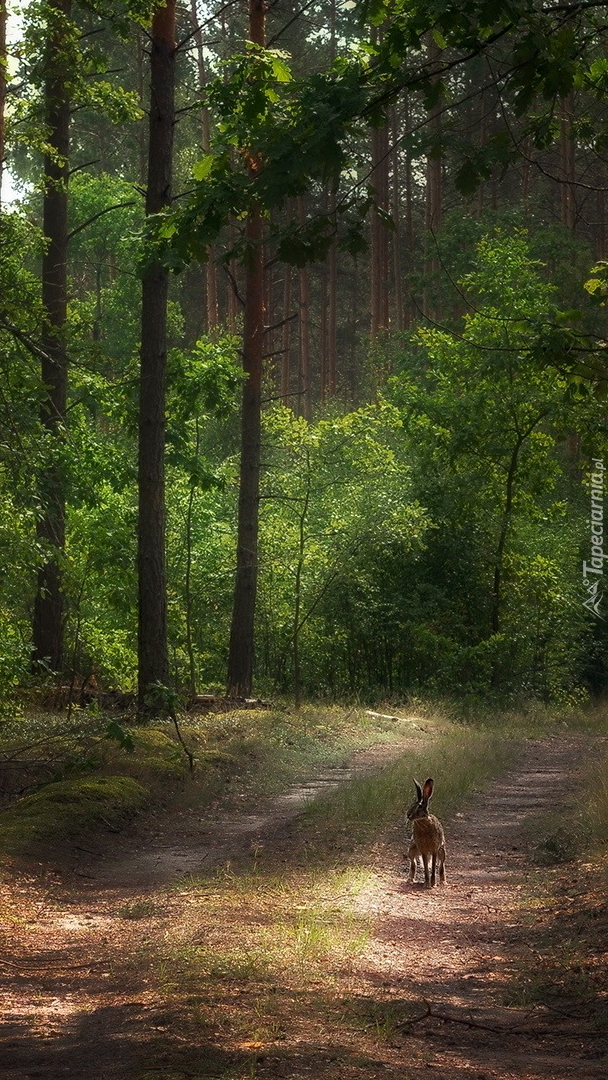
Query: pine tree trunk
(286, 339)
(409, 211)
(2, 87)
(210, 267)
(396, 194)
(568, 166)
(153, 658)
(379, 233)
(332, 323)
(434, 186)
(332, 301)
(233, 304)
(142, 155)
(304, 368)
(47, 630)
(600, 234)
(242, 631)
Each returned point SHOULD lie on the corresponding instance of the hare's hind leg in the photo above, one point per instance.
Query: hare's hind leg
(441, 857)
(413, 855)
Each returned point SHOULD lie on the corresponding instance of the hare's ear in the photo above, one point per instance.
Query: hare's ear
(418, 790)
(428, 788)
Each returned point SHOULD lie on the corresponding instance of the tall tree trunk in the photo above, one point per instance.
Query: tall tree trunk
(434, 167)
(2, 86)
(47, 628)
(304, 368)
(188, 574)
(210, 266)
(332, 301)
(153, 657)
(396, 200)
(286, 338)
(324, 337)
(233, 304)
(434, 186)
(600, 233)
(526, 180)
(332, 319)
(379, 232)
(242, 631)
(140, 59)
(409, 210)
(568, 165)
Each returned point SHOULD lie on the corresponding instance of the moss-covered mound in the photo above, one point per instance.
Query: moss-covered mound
(63, 811)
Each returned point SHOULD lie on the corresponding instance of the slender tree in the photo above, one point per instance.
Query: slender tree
(2, 85)
(210, 266)
(241, 652)
(153, 659)
(49, 605)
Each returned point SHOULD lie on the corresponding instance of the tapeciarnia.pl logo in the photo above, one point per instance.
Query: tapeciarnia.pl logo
(593, 571)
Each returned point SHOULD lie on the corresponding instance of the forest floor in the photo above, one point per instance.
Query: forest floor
(213, 945)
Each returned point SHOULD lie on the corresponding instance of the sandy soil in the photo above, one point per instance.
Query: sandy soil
(75, 1003)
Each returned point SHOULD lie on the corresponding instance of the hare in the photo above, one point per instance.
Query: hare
(428, 839)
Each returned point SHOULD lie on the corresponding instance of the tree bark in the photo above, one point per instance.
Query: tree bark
(47, 630)
(210, 267)
(379, 233)
(600, 234)
(332, 320)
(331, 366)
(241, 652)
(142, 157)
(434, 167)
(434, 186)
(396, 199)
(286, 338)
(304, 368)
(153, 657)
(242, 631)
(2, 86)
(568, 166)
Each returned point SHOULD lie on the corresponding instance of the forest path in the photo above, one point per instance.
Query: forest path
(77, 1001)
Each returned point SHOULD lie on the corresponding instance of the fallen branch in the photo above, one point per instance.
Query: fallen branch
(445, 1018)
(399, 719)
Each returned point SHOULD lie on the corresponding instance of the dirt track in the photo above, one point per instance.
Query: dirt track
(76, 1004)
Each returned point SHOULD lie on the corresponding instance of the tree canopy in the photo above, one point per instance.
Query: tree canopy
(310, 299)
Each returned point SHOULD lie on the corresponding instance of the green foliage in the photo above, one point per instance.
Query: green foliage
(482, 408)
(336, 502)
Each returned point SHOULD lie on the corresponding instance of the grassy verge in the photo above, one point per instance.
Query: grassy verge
(60, 780)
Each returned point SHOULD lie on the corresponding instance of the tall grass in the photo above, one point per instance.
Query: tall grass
(461, 760)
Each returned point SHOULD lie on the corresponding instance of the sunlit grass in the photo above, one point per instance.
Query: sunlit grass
(461, 760)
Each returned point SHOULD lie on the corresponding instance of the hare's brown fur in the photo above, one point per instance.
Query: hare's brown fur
(428, 839)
